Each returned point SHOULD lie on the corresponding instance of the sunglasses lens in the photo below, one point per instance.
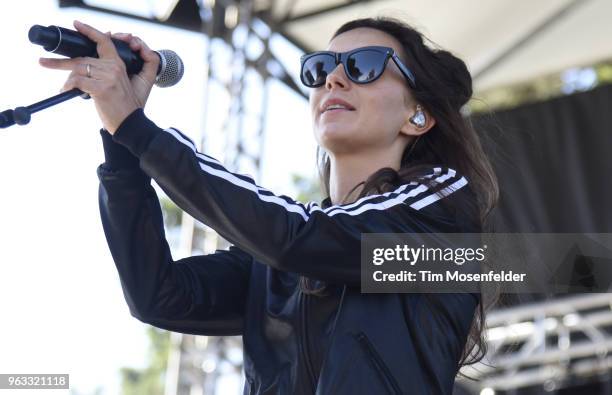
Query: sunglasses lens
(366, 65)
(316, 68)
(363, 66)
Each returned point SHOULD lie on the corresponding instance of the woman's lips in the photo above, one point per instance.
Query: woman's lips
(335, 111)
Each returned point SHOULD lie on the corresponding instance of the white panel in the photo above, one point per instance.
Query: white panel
(304, 6)
(582, 38)
(478, 31)
(145, 8)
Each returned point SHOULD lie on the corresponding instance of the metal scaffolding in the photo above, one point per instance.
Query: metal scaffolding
(197, 362)
(552, 344)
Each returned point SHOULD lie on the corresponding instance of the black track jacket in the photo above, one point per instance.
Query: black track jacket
(380, 344)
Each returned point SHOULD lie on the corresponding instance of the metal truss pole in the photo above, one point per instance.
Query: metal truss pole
(554, 343)
(202, 360)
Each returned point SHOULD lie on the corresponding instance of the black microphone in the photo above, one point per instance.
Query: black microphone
(73, 44)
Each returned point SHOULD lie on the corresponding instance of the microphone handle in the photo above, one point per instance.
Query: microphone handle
(72, 44)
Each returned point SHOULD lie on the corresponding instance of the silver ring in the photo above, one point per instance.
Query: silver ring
(88, 68)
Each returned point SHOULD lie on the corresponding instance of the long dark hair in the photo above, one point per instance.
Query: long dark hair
(443, 87)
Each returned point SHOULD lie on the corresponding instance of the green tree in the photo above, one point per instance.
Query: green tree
(308, 189)
(149, 380)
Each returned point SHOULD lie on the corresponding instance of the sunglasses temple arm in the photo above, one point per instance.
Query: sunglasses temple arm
(405, 70)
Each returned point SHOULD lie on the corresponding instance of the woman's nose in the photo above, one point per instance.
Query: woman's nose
(337, 78)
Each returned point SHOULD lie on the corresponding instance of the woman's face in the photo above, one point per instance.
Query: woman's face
(381, 108)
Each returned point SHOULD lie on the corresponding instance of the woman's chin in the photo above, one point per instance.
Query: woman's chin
(336, 140)
(334, 131)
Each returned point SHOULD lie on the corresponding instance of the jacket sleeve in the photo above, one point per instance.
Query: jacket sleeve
(197, 295)
(275, 229)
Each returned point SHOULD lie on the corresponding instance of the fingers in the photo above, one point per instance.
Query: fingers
(97, 67)
(66, 64)
(150, 57)
(106, 48)
(87, 67)
(122, 36)
(126, 37)
(107, 51)
(151, 60)
(135, 43)
(58, 64)
(88, 85)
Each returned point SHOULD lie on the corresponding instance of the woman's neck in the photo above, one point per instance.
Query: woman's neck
(346, 171)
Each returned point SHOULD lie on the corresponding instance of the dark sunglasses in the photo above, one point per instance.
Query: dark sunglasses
(361, 65)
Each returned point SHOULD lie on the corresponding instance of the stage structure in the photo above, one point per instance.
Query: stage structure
(555, 342)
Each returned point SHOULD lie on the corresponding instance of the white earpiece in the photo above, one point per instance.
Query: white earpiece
(418, 119)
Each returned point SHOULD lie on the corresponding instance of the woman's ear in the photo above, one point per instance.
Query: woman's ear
(418, 123)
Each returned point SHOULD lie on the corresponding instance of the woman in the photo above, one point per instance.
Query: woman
(397, 157)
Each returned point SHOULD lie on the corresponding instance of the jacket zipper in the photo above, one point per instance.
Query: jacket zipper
(379, 364)
(304, 340)
(251, 385)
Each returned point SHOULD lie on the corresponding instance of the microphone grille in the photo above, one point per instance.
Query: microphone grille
(171, 69)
